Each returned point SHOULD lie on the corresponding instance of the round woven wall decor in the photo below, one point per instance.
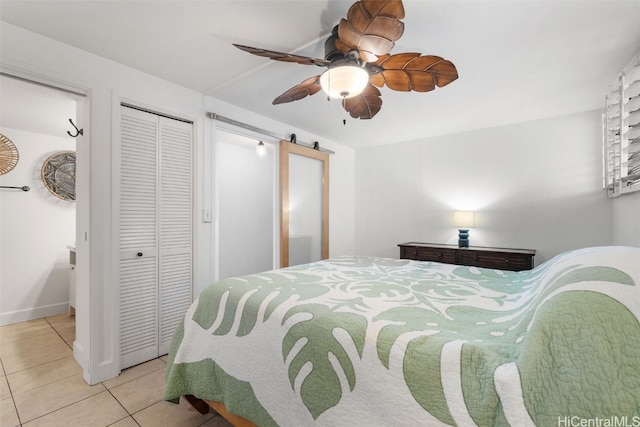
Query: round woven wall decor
(8, 155)
(59, 174)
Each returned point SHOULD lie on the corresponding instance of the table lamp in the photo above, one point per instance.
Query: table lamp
(463, 220)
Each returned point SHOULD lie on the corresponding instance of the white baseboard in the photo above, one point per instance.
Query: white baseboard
(80, 356)
(33, 313)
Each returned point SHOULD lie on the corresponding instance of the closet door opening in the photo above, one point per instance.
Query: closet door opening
(245, 204)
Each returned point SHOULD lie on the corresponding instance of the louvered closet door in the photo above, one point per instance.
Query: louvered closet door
(138, 237)
(175, 226)
(155, 232)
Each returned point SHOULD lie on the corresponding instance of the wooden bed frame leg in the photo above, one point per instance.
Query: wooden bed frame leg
(198, 404)
(204, 406)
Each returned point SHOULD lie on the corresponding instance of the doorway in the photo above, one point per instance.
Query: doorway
(245, 205)
(38, 225)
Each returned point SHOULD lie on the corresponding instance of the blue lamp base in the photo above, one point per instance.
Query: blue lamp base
(463, 238)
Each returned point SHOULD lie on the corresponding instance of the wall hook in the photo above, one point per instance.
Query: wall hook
(78, 131)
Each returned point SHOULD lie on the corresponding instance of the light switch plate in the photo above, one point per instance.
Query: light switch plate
(206, 215)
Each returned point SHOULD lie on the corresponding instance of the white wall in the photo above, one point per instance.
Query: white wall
(626, 219)
(36, 228)
(533, 185)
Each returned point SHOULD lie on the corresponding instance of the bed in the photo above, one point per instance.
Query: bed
(365, 341)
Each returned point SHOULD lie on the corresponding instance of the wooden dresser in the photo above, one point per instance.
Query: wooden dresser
(477, 256)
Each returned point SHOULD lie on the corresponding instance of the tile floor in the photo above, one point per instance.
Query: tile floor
(41, 384)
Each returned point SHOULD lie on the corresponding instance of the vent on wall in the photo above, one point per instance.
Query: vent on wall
(621, 132)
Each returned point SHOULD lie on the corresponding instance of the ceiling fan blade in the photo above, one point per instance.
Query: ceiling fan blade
(284, 57)
(308, 87)
(371, 27)
(364, 106)
(411, 71)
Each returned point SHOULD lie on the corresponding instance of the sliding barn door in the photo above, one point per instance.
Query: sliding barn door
(304, 204)
(155, 232)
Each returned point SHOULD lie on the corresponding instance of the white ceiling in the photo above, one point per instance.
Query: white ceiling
(518, 60)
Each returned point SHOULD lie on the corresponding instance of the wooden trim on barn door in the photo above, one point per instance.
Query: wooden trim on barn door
(286, 149)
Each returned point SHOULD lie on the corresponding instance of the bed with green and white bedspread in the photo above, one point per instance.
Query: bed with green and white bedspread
(359, 341)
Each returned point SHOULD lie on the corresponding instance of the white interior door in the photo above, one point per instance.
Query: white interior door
(138, 237)
(155, 232)
(176, 269)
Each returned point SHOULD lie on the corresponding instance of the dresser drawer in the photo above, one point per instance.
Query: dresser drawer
(420, 253)
(447, 256)
(500, 261)
(407, 252)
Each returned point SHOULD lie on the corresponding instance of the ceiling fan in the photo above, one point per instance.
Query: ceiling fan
(358, 61)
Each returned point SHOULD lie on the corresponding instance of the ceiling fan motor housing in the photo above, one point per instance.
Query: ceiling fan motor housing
(331, 52)
(352, 57)
(335, 56)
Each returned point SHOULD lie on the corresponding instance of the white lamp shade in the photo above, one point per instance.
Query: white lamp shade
(345, 81)
(464, 219)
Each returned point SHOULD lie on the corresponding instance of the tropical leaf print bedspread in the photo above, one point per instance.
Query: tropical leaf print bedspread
(357, 341)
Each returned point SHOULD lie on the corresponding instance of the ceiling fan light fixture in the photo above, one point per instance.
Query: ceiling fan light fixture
(345, 81)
